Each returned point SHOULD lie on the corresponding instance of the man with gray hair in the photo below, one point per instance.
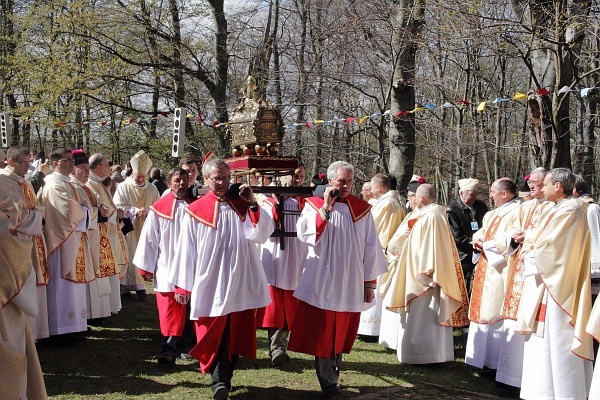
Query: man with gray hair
(217, 269)
(556, 299)
(530, 216)
(344, 260)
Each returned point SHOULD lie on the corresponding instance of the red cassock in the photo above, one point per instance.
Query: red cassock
(241, 340)
(281, 312)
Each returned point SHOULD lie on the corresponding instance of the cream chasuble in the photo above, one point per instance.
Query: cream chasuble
(489, 282)
(425, 287)
(529, 217)
(67, 213)
(25, 214)
(427, 249)
(130, 198)
(117, 246)
(388, 214)
(485, 330)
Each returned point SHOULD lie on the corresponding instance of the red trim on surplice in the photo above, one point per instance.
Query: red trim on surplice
(316, 329)
(209, 331)
(171, 314)
(165, 206)
(206, 209)
(358, 209)
(280, 313)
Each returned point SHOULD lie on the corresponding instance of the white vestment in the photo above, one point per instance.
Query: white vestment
(387, 213)
(67, 310)
(104, 198)
(334, 272)
(283, 268)
(484, 339)
(131, 198)
(221, 266)
(158, 245)
(27, 224)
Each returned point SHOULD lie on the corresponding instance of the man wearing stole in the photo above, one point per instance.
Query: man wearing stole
(556, 299)
(523, 224)
(487, 297)
(111, 239)
(98, 290)
(67, 215)
(425, 284)
(21, 376)
(25, 217)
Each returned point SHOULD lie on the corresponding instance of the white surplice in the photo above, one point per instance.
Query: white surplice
(221, 267)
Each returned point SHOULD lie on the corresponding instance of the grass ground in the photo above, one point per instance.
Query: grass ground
(118, 361)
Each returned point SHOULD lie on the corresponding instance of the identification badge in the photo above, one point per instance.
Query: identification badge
(474, 225)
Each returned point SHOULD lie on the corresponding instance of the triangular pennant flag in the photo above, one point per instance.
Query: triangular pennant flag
(499, 100)
(318, 121)
(481, 106)
(350, 119)
(519, 96)
(387, 112)
(463, 102)
(362, 119)
(565, 89)
(543, 92)
(416, 109)
(448, 105)
(430, 106)
(584, 92)
(402, 113)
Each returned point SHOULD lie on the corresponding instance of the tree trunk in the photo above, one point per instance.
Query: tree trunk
(407, 23)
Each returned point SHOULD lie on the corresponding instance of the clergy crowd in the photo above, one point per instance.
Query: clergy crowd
(521, 279)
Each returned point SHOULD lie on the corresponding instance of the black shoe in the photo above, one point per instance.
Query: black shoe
(166, 358)
(332, 392)
(141, 294)
(220, 392)
(278, 359)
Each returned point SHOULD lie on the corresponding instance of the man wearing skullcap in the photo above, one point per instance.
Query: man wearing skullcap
(68, 217)
(134, 196)
(465, 216)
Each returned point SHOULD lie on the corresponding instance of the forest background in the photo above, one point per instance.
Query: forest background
(442, 89)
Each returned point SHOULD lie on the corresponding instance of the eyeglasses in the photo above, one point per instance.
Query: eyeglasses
(220, 179)
(67, 160)
(22, 162)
